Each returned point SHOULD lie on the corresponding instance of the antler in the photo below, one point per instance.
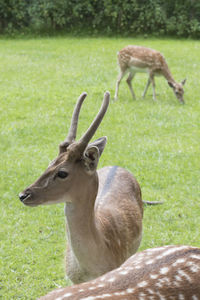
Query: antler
(83, 142)
(74, 123)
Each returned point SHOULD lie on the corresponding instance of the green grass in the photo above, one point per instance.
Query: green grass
(40, 81)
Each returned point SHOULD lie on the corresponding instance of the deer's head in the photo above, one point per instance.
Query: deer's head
(76, 163)
(178, 89)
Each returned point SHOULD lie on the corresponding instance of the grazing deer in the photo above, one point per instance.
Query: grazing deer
(134, 59)
(103, 208)
(169, 272)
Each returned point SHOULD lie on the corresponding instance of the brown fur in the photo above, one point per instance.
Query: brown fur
(103, 208)
(169, 272)
(135, 59)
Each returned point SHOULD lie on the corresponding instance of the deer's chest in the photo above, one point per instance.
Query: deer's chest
(79, 271)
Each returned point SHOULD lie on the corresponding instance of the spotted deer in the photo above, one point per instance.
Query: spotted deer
(134, 59)
(164, 273)
(103, 208)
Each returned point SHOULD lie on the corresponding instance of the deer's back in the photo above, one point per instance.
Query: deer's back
(119, 211)
(140, 57)
(169, 272)
(117, 185)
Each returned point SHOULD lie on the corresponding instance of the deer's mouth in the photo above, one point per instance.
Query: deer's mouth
(27, 199)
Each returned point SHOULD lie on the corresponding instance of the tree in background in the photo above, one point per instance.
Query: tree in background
(127, 17)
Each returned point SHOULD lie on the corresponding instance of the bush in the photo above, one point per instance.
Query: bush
(173, 17)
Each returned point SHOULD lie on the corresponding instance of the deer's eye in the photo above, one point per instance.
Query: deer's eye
(62, 174)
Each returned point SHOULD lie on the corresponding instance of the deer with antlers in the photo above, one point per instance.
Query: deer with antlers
(169, 272)
(134, 59)
(103, 208)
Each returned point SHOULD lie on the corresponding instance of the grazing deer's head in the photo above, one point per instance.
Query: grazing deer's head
(178, 89)
(76, 162)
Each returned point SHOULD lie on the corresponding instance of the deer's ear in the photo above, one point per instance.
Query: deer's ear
(63, 147)
(92, 154)
(170, 84)
(99, 143)
(91, 159)
(184, 81)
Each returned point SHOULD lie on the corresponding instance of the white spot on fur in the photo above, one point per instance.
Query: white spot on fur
(81, 290)
(88, 298)
(106, 296)
(154, 276)
(123, 272)
(159, 284)
(129, 268)
(141, 296)
(142, 284)
(130, 291)
(138, 267)
(92, 288)
(194, 268)
(178, 278)
(179, 261)
(161, 297)
(119, 293)
(149, 262)
(190, 263)
(164, 280)
(103, 278)
(112, 279)
(176, 283)
(150, 291)
(164, 270)
(194, 297)
(181, 297)
(153, 250)
(66, 295)
(195, 256)
(170, 251)
(100, 285)
(183, 274)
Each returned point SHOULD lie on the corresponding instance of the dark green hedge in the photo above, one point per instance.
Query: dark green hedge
(171, 17)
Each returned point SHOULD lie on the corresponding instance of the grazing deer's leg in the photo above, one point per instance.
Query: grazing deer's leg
(153, 86)
(121, 75)
(128, 80)
(146, 88)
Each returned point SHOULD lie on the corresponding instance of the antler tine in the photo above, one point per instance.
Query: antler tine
(96, 122)
(74, 123)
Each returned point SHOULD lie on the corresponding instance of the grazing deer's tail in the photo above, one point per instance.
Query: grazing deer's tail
(152, 202)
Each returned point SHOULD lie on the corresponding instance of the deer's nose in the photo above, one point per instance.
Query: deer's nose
(23, 196)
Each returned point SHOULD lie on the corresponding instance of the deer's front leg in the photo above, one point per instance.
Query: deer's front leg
(147, 86)
(128, 80)
(151, 76)
(121, 75)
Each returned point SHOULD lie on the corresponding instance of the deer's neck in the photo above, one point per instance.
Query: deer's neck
(167, 74)
(80, 220)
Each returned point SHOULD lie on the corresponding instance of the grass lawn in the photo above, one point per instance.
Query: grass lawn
(40, 81)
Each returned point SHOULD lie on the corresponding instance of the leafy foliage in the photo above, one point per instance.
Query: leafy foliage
(158, 17)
